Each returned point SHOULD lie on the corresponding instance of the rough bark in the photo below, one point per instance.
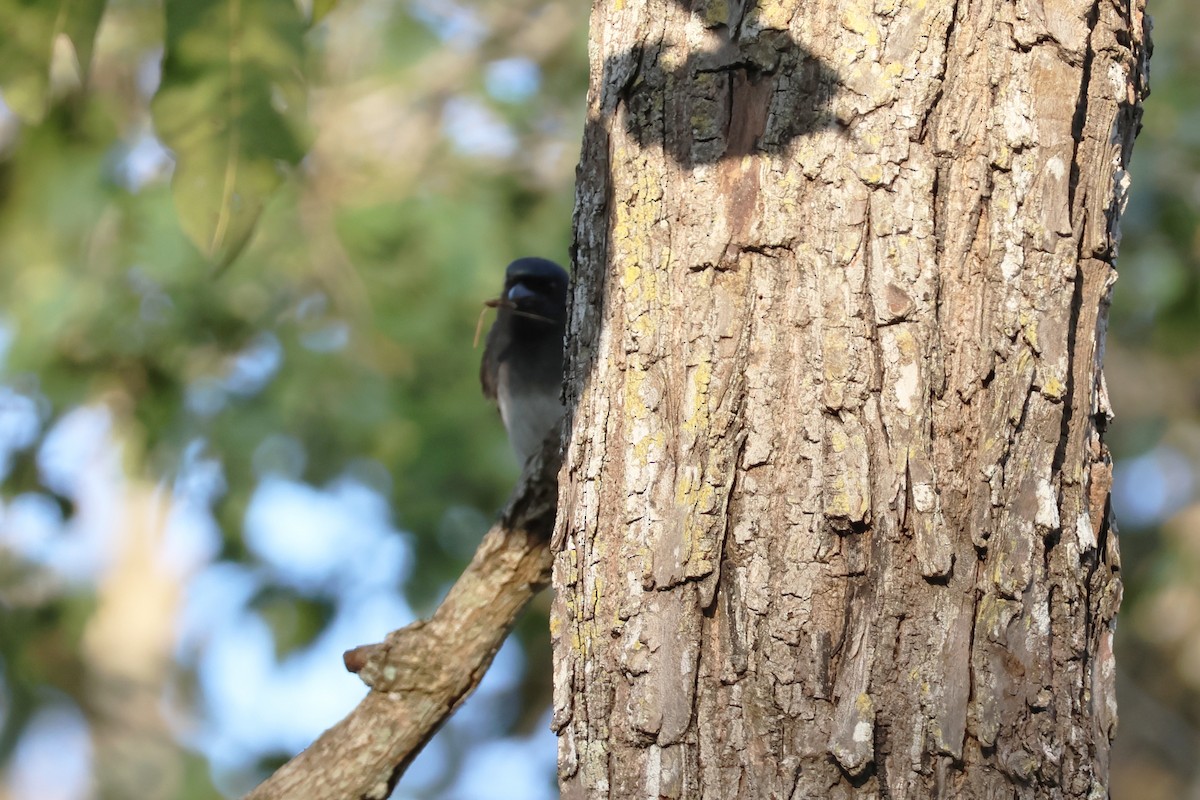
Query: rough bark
(422, 673)
(835, 510)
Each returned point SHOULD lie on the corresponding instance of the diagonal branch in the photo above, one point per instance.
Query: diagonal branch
(421, 673)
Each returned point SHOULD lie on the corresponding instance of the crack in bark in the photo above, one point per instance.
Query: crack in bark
(1081, 105)
(1068, 398)
(935, 103)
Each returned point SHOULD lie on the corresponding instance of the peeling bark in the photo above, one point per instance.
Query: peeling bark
(835, 510)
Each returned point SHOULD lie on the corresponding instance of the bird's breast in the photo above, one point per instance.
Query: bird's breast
(528, 415)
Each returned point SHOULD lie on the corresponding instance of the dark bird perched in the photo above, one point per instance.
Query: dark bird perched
(522, 369)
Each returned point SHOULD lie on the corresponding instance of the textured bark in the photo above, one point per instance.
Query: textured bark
(423, 672)
(835, 510)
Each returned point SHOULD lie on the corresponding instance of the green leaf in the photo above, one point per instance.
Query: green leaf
(27, 46)
(231, 108)
(320, 8)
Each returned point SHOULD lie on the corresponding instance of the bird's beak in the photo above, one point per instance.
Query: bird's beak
(519, 292)
(509, 300)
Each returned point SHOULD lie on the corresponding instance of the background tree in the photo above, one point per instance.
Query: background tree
(835, 515)
(216, 481)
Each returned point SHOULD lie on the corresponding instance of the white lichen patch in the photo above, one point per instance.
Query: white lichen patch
(1056, 167)
(1039, 613)
(908, 387)
(1119, 78)
(1014, 110)
(1014, 259)
(1046, 517)
(1084, 533)
(653, 770)
(923, 497)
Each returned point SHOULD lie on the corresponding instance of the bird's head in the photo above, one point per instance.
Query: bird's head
(535, 290)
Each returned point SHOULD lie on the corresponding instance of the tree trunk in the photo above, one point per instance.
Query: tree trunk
(834, 513)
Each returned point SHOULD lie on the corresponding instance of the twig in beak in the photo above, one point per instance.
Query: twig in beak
(493, 303)
(530, 315)
(500, 302)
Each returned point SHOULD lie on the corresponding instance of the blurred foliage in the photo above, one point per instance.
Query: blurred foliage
(231, 97)
(371, 180)
(27, 48)
(1153, 374)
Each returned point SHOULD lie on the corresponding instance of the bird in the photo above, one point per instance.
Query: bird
(522, 368)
